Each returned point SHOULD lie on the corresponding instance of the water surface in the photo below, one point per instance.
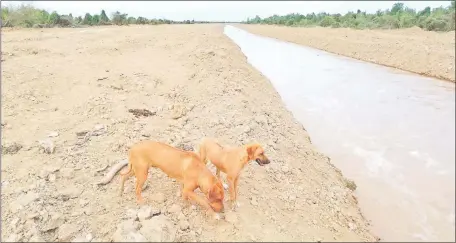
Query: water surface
(392, 132)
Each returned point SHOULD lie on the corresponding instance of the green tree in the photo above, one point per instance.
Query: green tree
(103, 17)
(141, 20)
(54, 18)
(397, 8)
(118, 18)
(95, 19)
(131, 20)
(87, 19)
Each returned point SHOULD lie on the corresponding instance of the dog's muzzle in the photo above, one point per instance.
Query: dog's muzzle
(262, 162)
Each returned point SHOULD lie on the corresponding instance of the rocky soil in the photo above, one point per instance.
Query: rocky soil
(74, 100)
(415, 50)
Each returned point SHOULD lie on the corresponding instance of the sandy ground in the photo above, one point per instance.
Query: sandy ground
(415, 50)
(59, 84)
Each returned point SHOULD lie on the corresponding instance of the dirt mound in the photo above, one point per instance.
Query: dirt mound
(198, 84)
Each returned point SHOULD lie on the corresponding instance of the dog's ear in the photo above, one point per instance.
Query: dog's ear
(213, 194)
(251, 148)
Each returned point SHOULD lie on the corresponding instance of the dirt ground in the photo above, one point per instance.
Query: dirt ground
(415, 50)
(66, 95)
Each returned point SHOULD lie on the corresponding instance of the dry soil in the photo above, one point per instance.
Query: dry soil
(66, 96)
(414, 50)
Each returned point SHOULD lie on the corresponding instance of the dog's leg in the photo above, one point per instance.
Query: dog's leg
(232, 191)
(124, 178)
(236, 191)
(190, 194)
(141, 177)
(185, 197)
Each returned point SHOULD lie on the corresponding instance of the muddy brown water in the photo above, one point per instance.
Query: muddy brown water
(390, 131)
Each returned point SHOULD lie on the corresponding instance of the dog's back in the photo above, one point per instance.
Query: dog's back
(209, 149)
(169, 159)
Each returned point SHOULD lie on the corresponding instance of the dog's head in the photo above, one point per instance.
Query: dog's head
(216, 196)
(256, 152)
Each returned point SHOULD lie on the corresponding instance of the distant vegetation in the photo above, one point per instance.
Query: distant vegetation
(399, 16)
(28, 16)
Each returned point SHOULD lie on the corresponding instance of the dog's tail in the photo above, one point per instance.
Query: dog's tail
(128, 170)
(202, 152)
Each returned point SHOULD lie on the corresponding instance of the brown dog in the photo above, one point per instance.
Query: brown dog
(231, 161)
(184, 166)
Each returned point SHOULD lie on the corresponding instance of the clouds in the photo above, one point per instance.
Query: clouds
(219, 11)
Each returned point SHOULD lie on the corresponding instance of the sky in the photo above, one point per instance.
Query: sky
(218, 10)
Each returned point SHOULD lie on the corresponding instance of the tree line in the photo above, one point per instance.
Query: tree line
(399, 16)
(30, 17)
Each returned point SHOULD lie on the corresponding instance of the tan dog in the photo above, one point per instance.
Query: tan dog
(231, 161)
(184, 166)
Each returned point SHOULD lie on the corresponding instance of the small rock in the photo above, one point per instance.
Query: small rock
(98, 130)
(254, 202)
(99, 127)
(178, 111)
(82, 133)
(174, 209)
(247, 129)
(33, 215)
(83, 238)
(14, 222)
(126, 232)
(83, 202)
(13, 238)
(47, 146)
(292, 197)
(26, 199)
(352, 226)
(70, 193)
(131, 214)
(52, 177)
(53, 134)
(130, 237)
(11, 148)
(261, 119)
(285, 169)
(181, 216)
(158, 197)
(184, 224)
(80, 238)
(36, 238)
(67, 173)
(147, 212)
(159, 229)
(15, 207)
(55, 222)
(89, 237)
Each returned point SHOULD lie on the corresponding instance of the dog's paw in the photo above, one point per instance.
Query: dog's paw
(217, 216)
(235, 205)
(238, 204)
(225, 186)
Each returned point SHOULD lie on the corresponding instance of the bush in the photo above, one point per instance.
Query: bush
(327, 21)
(119, 19)
(399, 16)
